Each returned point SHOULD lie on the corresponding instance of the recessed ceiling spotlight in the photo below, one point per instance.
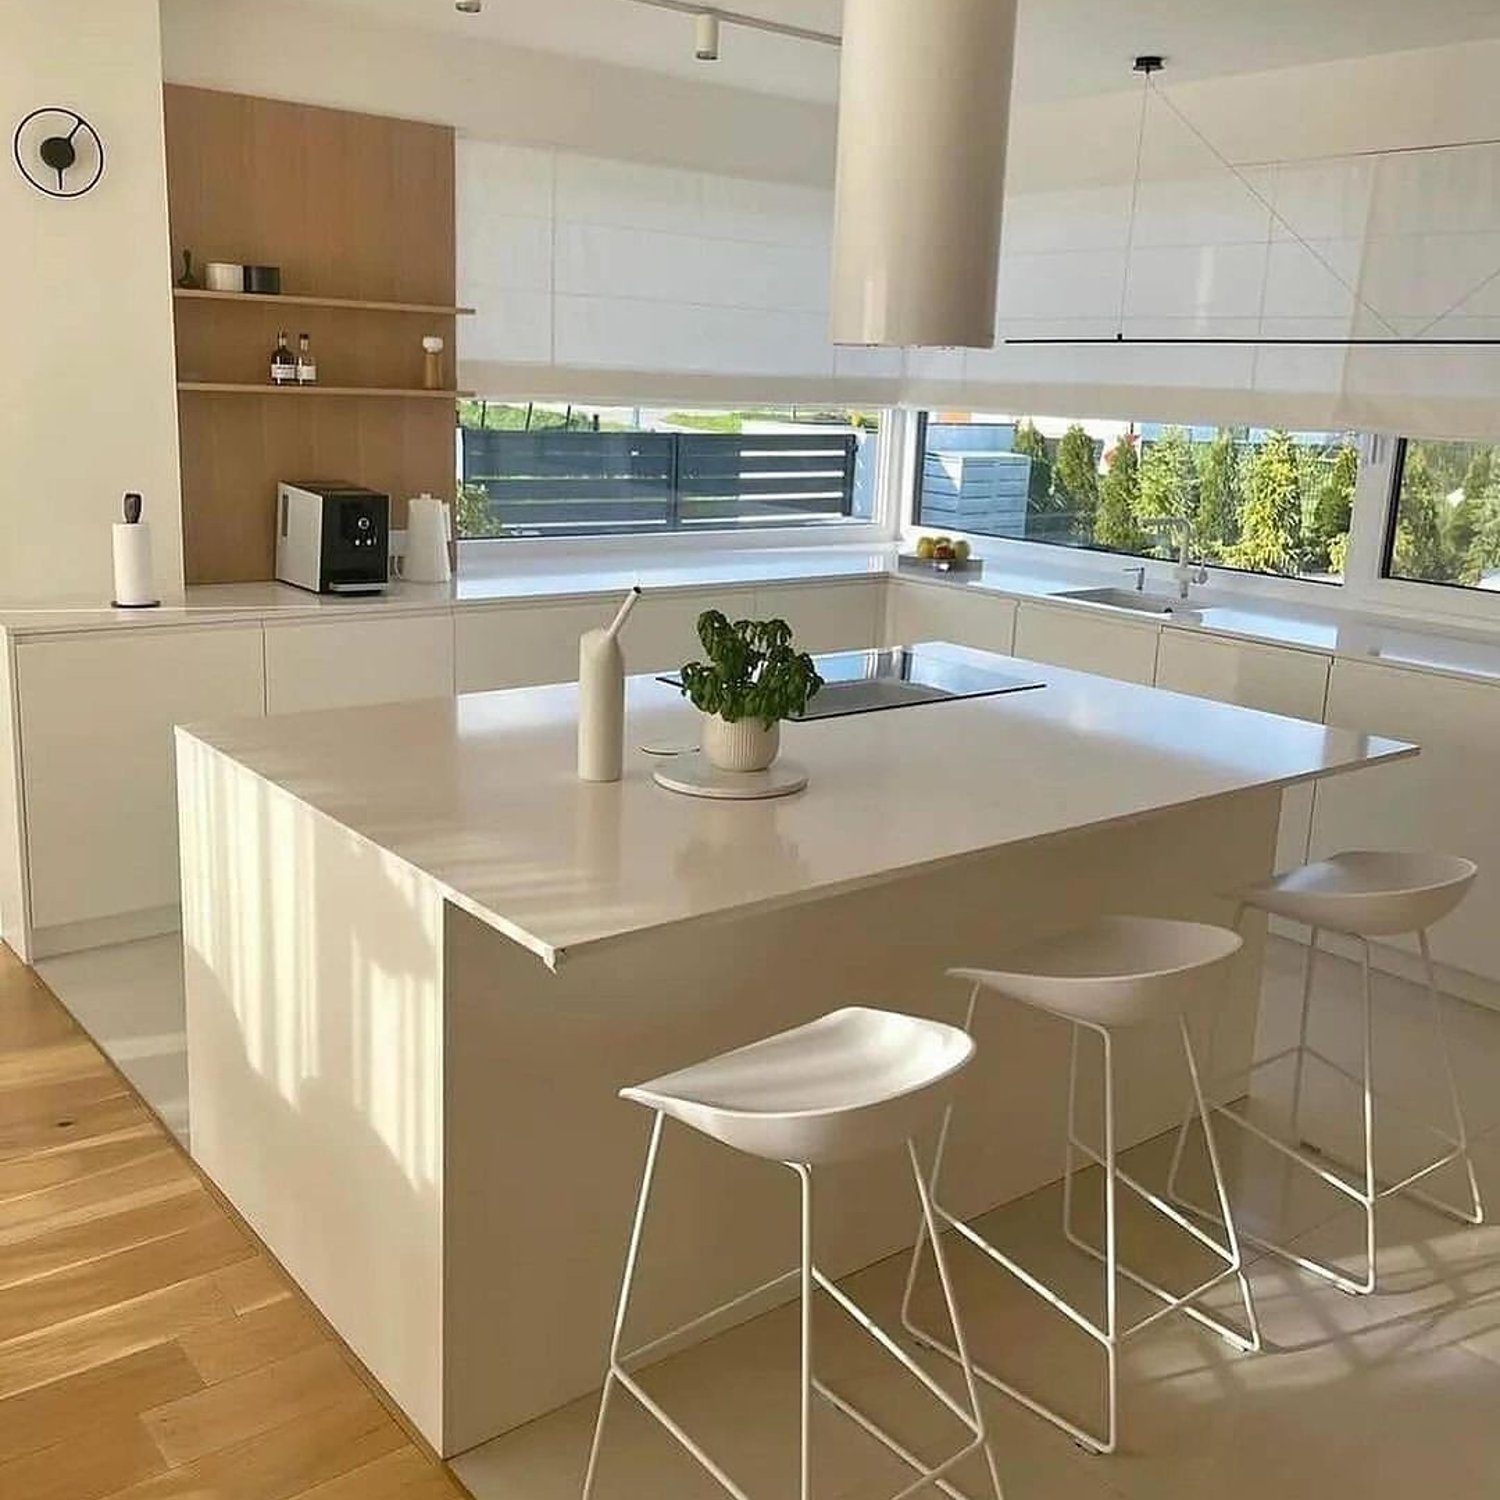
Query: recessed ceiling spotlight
(468, 7)
(707, 49)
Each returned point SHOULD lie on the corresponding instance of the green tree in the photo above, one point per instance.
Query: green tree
(1039, 479)
(1480, 477)
(1169, 486)
(1462, 527)
(1333, 505)
(1216, 527)
(1421, 548)
(1271, 523)
(1075, 479)
(1115, 524)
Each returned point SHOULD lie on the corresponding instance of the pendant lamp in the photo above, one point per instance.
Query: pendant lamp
(924, 114)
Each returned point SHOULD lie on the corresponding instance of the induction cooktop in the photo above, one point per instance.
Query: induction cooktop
(865, 682)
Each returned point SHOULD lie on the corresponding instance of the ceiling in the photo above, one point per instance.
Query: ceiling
(1065, 48)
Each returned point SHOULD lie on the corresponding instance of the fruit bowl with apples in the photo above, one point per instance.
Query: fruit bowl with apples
(942, 554)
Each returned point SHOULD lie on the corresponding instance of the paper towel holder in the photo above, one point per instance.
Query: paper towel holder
(138, 533)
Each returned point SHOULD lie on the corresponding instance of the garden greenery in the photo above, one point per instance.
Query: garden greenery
(753, 671)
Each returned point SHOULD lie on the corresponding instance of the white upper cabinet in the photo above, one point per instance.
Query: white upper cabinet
(1270, 678)
(1120, 648)
(97, 713)
(933, 612)
(1443, 800)
(368, 659)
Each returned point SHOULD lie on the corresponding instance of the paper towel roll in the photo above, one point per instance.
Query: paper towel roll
(134, 588)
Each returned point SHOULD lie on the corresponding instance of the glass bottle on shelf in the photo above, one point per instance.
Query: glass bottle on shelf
(283, 365)
(307, 366)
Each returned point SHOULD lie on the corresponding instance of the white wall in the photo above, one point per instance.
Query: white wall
(87, 396)
(292, 49)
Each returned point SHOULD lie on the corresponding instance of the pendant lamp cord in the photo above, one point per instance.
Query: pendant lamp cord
(1250, 187)
(1135, 195)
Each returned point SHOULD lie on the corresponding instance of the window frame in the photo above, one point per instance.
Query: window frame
(1372, 549)
(1101, 562)
(477, 554)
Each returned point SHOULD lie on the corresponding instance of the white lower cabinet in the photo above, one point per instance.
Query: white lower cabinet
(1444, 799)
(525, 644)
(369, 659)
(99, 790)
(825, 616)
(1119, 648)
(943, 612)
(1271, 678)
(528, 644)
(662, 632)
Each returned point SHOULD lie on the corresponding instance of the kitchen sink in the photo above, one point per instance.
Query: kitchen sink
(1135, 600)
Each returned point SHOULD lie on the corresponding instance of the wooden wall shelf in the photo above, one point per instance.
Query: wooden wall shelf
(331, 197)
(230, 388)
(350, 304)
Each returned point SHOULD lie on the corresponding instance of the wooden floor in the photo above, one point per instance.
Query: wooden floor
(148, 1346)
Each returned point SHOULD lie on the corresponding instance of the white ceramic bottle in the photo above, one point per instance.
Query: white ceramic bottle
(601, 699)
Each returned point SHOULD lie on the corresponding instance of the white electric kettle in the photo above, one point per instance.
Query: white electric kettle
(429, 529)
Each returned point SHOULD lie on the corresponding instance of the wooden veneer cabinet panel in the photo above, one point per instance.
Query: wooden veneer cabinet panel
(348, 205)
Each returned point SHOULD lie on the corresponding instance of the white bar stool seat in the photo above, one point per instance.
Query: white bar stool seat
(1363, 894)
(1118, 972)
(855, 1082)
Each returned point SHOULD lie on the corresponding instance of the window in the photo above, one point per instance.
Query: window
(1250, 498)
(553, 469)
(1445, 514)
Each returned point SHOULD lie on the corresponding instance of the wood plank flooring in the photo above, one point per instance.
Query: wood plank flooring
(149, 1348)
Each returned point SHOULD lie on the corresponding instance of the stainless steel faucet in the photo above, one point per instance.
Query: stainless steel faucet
(1187, 572)
(1140, 577)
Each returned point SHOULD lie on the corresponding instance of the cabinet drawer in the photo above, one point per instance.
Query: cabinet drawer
(825, 616)
(1441, 800)
(1071, 638)
(345, 663)
(1270, 678)
(97, 713)
(930, 612)
(526, 645)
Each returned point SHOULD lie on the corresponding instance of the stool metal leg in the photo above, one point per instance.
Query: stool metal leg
(1474, 1214)
(1309, 959)
(1111, 1335)
(1364, 1189)
(809, 1279)
(804, 1175)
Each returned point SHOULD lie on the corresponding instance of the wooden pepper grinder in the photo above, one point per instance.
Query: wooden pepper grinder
(432, 370)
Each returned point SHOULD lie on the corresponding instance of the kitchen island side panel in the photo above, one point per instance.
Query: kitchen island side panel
(313, 967)
(543, 1159)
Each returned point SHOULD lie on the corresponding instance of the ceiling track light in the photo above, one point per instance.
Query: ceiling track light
(707, 48)
(717, 16)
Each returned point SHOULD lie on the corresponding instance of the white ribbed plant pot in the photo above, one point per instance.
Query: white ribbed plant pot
(745, 746)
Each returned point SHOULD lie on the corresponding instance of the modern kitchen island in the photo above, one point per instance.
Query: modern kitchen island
(422, 957)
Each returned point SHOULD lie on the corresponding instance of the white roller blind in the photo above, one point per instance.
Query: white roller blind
(600, 279)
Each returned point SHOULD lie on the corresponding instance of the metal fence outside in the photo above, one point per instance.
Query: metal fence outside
(559, 483)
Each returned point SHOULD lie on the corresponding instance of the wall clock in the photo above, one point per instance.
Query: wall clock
(58, 152)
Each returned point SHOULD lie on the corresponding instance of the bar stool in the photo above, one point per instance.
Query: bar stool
(1118, 972)
(853, 1083)
(1364, 894)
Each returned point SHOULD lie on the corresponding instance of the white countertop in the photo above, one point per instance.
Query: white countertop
(1243, 616)
(479, 793)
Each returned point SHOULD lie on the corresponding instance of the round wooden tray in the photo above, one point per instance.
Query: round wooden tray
(693, 776)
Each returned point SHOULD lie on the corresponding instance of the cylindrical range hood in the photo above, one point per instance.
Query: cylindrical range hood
(924, 113)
